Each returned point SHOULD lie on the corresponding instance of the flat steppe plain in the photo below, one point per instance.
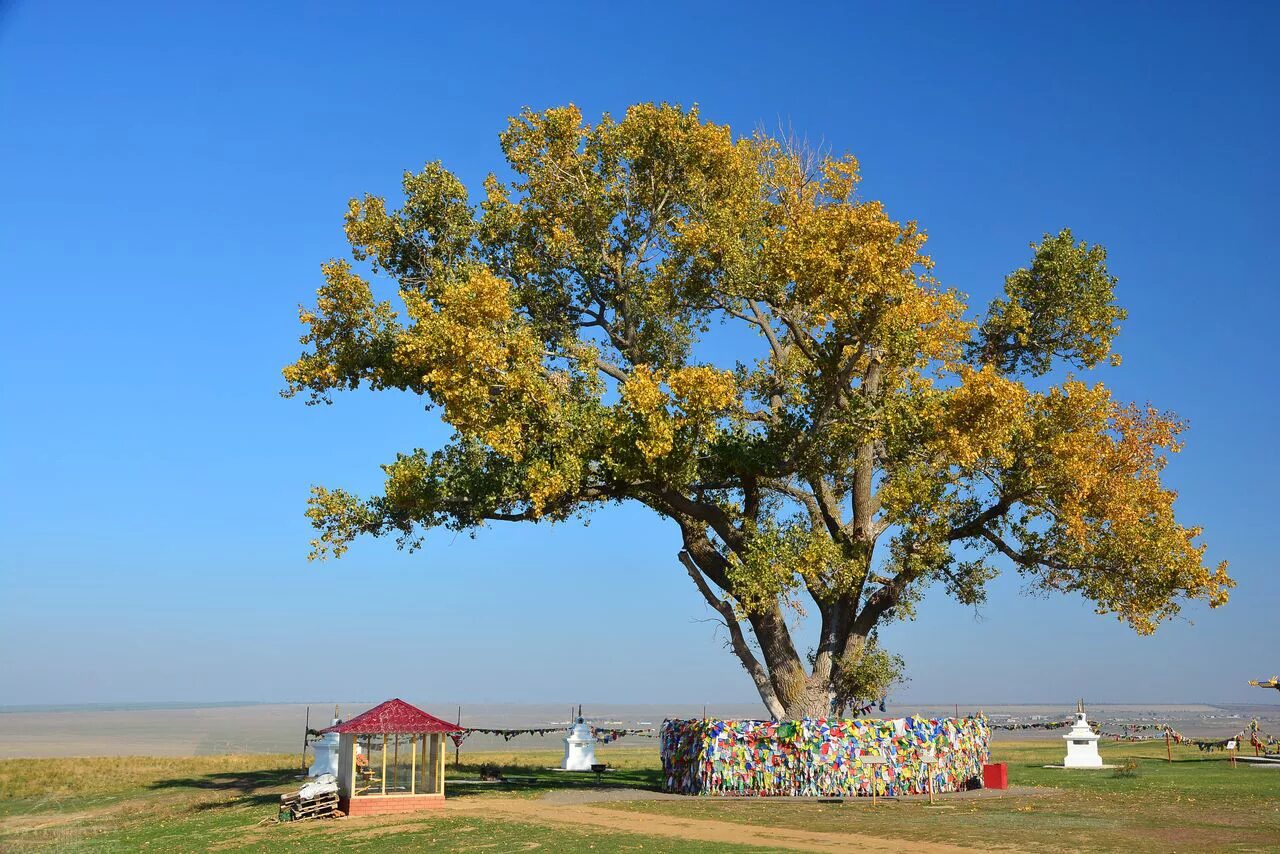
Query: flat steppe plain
(200, 730)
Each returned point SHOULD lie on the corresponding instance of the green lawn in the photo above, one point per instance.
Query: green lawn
(226, 803)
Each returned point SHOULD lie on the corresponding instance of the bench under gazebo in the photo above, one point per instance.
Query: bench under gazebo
(391, 759)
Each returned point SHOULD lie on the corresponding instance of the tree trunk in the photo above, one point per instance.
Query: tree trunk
(815, 695)
(787, 688)
(811, 703)
(800, 694)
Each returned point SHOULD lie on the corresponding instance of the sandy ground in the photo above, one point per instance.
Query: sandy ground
(569, 797)
(279, 728)
(547, 811)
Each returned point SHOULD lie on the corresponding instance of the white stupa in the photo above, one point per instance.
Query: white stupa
(579, 747)
(1082, 743)
(326, 749)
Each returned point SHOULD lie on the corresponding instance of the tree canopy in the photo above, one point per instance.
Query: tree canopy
(578, 326)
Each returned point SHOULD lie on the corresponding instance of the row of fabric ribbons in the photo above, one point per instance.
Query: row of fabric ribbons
(823, 757)
(1252, 735)
(602, 734)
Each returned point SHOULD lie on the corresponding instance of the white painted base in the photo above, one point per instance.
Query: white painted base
(579, 748)
(1082, 745)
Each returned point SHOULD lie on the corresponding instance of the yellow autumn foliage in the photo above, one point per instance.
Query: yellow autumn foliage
(868, 437)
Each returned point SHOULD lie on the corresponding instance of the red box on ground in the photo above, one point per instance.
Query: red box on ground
(995, 776)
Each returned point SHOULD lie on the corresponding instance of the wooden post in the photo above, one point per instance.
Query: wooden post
(929, 759)
(457, 745)
(875, 760)
(305, 728)
(413, 765)
(384, 763)
(395, 763)
(1168, 749)
(440, 764)
(355, 773)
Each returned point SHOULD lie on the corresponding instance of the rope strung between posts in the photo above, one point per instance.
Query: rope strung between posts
(604, 734)
(1252, 734)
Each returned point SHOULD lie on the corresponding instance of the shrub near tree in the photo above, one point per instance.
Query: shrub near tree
(875, 441)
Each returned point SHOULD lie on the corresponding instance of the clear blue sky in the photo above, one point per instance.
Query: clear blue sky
(172, 175)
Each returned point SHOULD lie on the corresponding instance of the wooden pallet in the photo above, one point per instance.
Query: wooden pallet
(295, 808)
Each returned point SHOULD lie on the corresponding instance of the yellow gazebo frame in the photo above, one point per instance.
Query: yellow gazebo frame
(426, 776)
(365, 789)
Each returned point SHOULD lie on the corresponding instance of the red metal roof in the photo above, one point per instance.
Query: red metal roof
(394, 716)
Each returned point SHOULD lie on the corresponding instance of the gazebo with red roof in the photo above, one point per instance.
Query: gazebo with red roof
(391, 759)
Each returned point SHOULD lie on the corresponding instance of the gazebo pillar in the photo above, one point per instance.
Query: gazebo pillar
(434, 764)
(346, 765)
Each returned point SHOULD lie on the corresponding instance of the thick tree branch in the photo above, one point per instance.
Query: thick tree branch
(737, 640)
(881, 601)
(890, 593)
(865, 503)
(807, 344)
(977, 525)
(712, 515)
(829, 508)
(803, 497)
(786, 671)
(766, 326)
(1022, 558)
(610, 369)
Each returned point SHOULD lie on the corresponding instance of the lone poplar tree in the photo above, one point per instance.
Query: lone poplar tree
(866, 440)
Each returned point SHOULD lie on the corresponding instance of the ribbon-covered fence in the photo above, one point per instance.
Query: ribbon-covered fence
(823, 757)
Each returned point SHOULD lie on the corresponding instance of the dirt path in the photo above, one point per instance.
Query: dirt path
(688, 829)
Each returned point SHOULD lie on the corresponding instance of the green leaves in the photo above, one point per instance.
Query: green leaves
(1062, 307)
(869, 675)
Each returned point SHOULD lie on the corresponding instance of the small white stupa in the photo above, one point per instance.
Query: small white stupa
(1082, 743)
(326, 749)
(579, 746)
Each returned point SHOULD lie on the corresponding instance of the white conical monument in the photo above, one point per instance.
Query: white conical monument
(579, 746)
(1082, 743)
(326, 749)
